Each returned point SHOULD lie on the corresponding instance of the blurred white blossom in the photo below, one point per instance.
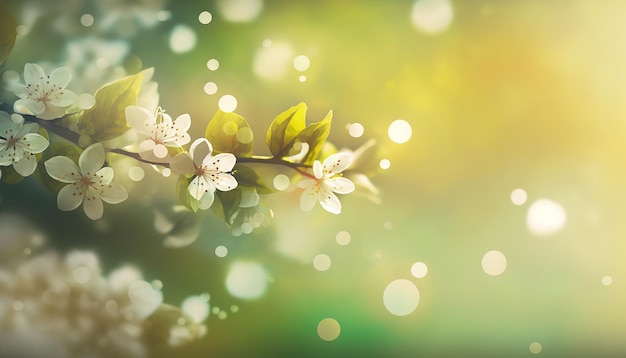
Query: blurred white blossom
(250, 215)
(127, 17)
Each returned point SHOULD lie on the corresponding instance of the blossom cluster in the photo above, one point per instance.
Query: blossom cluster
(205, 170)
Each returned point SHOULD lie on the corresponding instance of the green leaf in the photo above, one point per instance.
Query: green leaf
(246, 176)
(107, 118)
(284, 129)
(62, 148)
(315, 135)
(230, 133)
(8, 31)
(183, 194)
(228, 203)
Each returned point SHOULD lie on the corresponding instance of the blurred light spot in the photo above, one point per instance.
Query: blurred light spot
(272, 63)
(607, 280)
(221, 251)
(10, 76)
(156, 284)
(267, 43)
(240, 10)
(401, 297)
(86, 101)
(234, 308)
(210, 88)
(321, 262)
(399, 131)
(301, 63)
(356, 130)
(222, 315)
(494, 263)
(21, 30)
(196, 308)
(519, 196)
(384, 164)
(144, 297)
(27, 251)
(281, 182)
(18, 305)
(212, 64)
(205, 296)
(387, 225)
(227, 103)
(302, 78)
(86, 20)
(136, 173)
(328, 329)
(164, 15)
(419, 270)
(215, 310)
(81, 274)
(245, 135)
(102, 63)
(432, 16)
(182, 39)
(230, 128)
(343, 238)
(246, 280)
(535, 348)
(205, 17)
(111, 306)
(545, 217)
(166, 172)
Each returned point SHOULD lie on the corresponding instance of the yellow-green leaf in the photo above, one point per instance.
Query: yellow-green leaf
(315, 135)
(183, 194)
(229, 201)
(7, 31)
(107, 118)
(230, 133)
(284, 129)
(246, 176)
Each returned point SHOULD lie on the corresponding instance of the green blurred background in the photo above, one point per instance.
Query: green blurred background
(500, 95)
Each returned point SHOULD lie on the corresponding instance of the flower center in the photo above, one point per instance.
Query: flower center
(86, 181)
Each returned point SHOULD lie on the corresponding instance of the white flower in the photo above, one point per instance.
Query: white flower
(89, 182)
(160, 130)
(211, 172)
(19, 143)
(44, 95)
(327, 182)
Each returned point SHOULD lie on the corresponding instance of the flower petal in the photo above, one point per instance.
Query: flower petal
(51, 112)
(340, 185)
(318, 170)
(183, 122)
(27, 106)
(33, 73)
(63, 169)
(91, 159)
(336, 163)
(308, 198)
(63, 98)
(222, 163)
(200, 149)
(70, 197)
(198, 186)
(306, 182)
(61, 77)
(206, 200)
(34, 143)
(329, 201)
(92, 205)
(139, 118)
(26, 166)
(182, 164)
(104, 175)
(114, 194)
(223, 181)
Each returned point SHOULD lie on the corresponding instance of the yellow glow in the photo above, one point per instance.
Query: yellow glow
(400, 131)
(419, 270)
(210, 88)
(328, 329)
(432, 16)
(301, 63)
(545, 217)
(356, 130)
(227, 103)
(321, 262)
(518, 196)
(535, 348)
(343, 238)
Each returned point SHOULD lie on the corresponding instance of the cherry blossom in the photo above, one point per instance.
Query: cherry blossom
(89, 182)
(44, 96)
(326, 183)
(19, 143)
(210, 172)
(159, 129)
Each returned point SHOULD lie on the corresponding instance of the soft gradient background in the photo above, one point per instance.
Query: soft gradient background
(512, 94)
